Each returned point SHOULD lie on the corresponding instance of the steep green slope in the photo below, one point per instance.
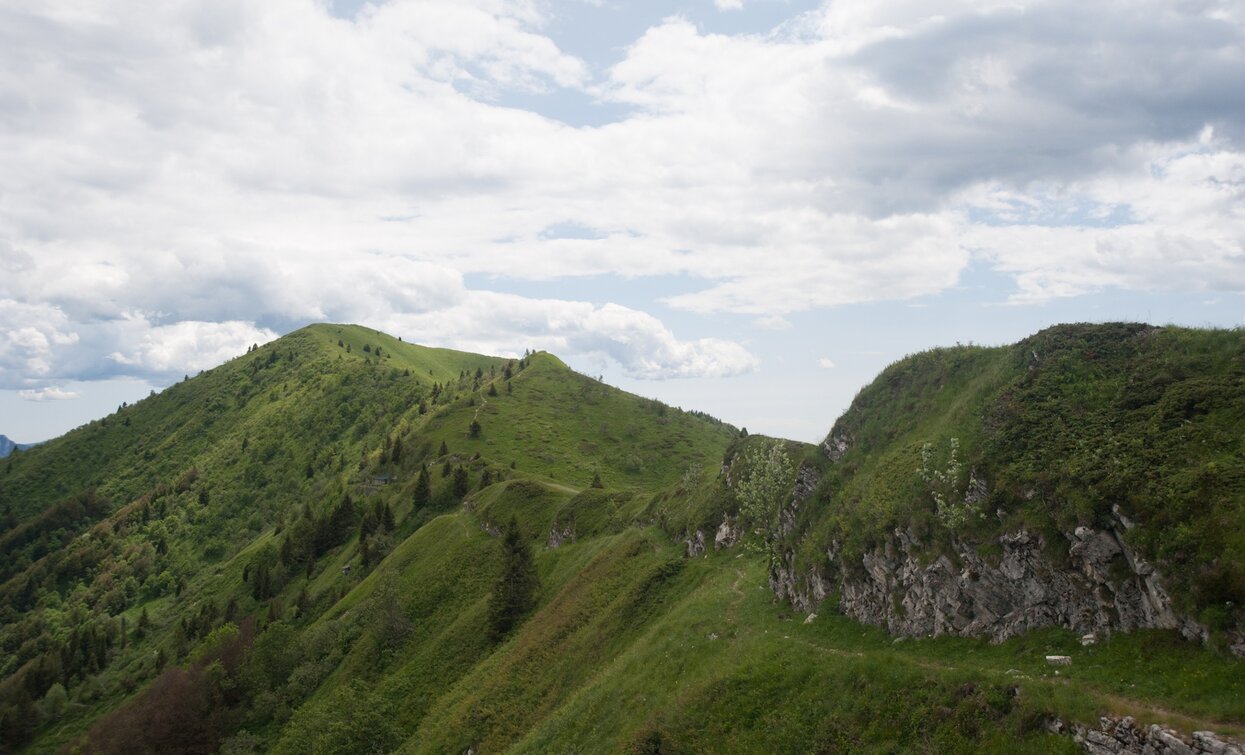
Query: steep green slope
(303, 390)
(248, 488)
(308, 562)
(1122, 428)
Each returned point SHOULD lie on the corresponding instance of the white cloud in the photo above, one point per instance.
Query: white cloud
(1184, 231)
(51, 393)
(639, 343)
(728, 4)
(30, 335)
(185, 346)
(259, 165)
(825, 363)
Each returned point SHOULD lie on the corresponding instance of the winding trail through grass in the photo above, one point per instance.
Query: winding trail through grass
(732, 608)
(1109, 701)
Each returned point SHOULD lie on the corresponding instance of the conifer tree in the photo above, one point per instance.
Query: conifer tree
(462, 484)
(515, 590)
(423, 489)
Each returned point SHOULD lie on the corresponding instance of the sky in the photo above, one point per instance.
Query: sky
(745, 207)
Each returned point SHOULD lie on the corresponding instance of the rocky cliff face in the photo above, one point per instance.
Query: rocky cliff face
(1102, 585)
(1123, 736)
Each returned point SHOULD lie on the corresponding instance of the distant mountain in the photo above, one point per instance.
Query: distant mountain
(7, 446)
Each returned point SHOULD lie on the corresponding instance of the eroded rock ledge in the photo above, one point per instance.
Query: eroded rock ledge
(1122, 736)
(1101, 585)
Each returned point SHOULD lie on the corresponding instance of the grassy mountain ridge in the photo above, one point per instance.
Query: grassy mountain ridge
(164, 512)
(1069, 428)
(304, 562)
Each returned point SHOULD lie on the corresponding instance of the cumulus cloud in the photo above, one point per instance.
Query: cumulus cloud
(639, 343)
(1183, 228)
(185, 178)
(826, 363)
(30, 335)
(50, 393)
(186, 345)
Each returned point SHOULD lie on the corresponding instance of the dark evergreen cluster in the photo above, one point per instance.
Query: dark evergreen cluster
(514, 592)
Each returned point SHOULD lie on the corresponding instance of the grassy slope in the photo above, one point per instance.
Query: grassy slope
(1063, 426)
(306, 389)
(631, 646)
(296, 423)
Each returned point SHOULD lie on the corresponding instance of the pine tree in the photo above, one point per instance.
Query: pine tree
(444, 450)
(596, 480)
(462, 484)
(474, 430)
(423, 489)
(515, 590)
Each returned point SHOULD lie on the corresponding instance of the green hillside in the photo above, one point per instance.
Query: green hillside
(302, 551)
(1073, 427)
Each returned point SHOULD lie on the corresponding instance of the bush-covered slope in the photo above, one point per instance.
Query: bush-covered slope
(251, 488)
(311, 557)
(1118, 428)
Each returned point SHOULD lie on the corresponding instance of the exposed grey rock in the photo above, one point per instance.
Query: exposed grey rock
(1206, 741)
(694, 545)
(1169, 741)
(806, 479)
(1123, 737)
(728, 532)
(811, 588)
(977, 492)
(559, 536)
(1104, 586)
(1237, 644)
(836, 446)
